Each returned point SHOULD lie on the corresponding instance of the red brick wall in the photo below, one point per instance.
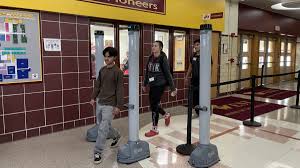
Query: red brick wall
(60, 102)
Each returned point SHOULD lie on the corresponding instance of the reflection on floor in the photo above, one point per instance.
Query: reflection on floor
(274, 145)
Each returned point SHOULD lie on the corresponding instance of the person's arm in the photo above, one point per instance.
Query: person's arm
(166, 70)
(119, 90)
(96, 87)
(189, 72)
(146, 77)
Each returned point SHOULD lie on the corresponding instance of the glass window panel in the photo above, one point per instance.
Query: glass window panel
(289, 48)
(288, 58)
(282, 47)
(269, 65)
(245, 60)
(109, 36)
(261, 64)
(288, 64)
(281, 64)
(245, 45)
(124, 48)
(244, 66)
(270, 59)
(163, 35)
(271, 47)
(281, 58)
(179, 51)
(261, 46)
(261, 59)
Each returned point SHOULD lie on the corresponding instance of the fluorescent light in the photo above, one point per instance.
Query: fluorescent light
(279, 6)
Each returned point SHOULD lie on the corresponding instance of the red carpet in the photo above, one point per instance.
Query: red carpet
(264, 92)
(239, 108)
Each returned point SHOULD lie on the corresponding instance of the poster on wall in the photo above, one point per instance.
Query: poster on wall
(20, 50)
(52, 44)
(179, 59)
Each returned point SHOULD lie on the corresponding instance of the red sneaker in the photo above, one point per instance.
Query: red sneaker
(151, 133)
(167, 119)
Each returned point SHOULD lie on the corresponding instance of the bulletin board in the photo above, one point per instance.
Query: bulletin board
(20, 47)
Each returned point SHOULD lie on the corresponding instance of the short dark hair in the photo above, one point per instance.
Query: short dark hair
(197, 41)
(160, 43)
(111, 51)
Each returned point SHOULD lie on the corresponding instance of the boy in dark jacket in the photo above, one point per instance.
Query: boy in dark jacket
(158, 76)
(194, 71)
(109, 90)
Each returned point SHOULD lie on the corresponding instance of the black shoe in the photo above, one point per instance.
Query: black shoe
(197, 112)
(97, 158)
(115, 142)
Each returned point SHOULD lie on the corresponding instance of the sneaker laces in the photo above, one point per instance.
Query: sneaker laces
(97, 155)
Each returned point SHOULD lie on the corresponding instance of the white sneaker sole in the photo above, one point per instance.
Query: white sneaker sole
(97, 162)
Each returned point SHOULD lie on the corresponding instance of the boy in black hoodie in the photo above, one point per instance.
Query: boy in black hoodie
(158, 76)
(194, 71)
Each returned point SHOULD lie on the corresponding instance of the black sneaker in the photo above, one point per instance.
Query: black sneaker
(197, 112)
(115, 142)
(97, 158)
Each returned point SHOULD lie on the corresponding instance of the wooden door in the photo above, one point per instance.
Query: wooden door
(215, 60)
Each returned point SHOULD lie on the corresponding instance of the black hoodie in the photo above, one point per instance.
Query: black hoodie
(157, 75)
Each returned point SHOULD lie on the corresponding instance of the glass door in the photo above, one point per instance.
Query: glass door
(245, 60)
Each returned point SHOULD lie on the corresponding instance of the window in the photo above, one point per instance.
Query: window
(261, 46)
(115, 35)
(288, 55)
(163, 35)
(179, 51)
(124, 48)
(245, 45)
(109, 38)
(271, 47)
(281, 60)
(245, 63)
(270, 60)
(282, 47)
(288, 61)
(261, 61)
(289, 48)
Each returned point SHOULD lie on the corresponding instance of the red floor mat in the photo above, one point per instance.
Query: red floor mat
(264, 92)
(239, 108)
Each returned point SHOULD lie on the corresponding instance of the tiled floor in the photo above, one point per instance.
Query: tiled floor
(274, 145)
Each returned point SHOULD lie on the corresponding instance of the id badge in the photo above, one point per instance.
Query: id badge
(195, 59)
(151, 79)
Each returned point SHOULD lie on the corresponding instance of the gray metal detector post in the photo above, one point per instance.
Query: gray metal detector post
(206, 154)
(92, 133)
(135, 150)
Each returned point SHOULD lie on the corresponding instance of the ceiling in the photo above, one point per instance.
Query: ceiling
(266, 5)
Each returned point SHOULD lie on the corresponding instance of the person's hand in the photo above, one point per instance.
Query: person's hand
(186, 81)
(144, 88)
(116, 111)
(92, 102)
(174, 93)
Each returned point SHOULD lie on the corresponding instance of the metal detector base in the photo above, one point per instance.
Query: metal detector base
(204, 156)
(92, 133)
(295, 107)
(250, 123)
(185, 149)
(133, 151)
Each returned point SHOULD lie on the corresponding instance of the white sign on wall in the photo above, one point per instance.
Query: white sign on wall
(52, 44)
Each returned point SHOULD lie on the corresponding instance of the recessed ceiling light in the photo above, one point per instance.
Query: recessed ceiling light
(287, 6)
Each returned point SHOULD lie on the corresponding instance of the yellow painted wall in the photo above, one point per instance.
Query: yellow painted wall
(181, 13)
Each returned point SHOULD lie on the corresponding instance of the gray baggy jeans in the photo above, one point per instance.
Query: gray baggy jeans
(104, 117)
